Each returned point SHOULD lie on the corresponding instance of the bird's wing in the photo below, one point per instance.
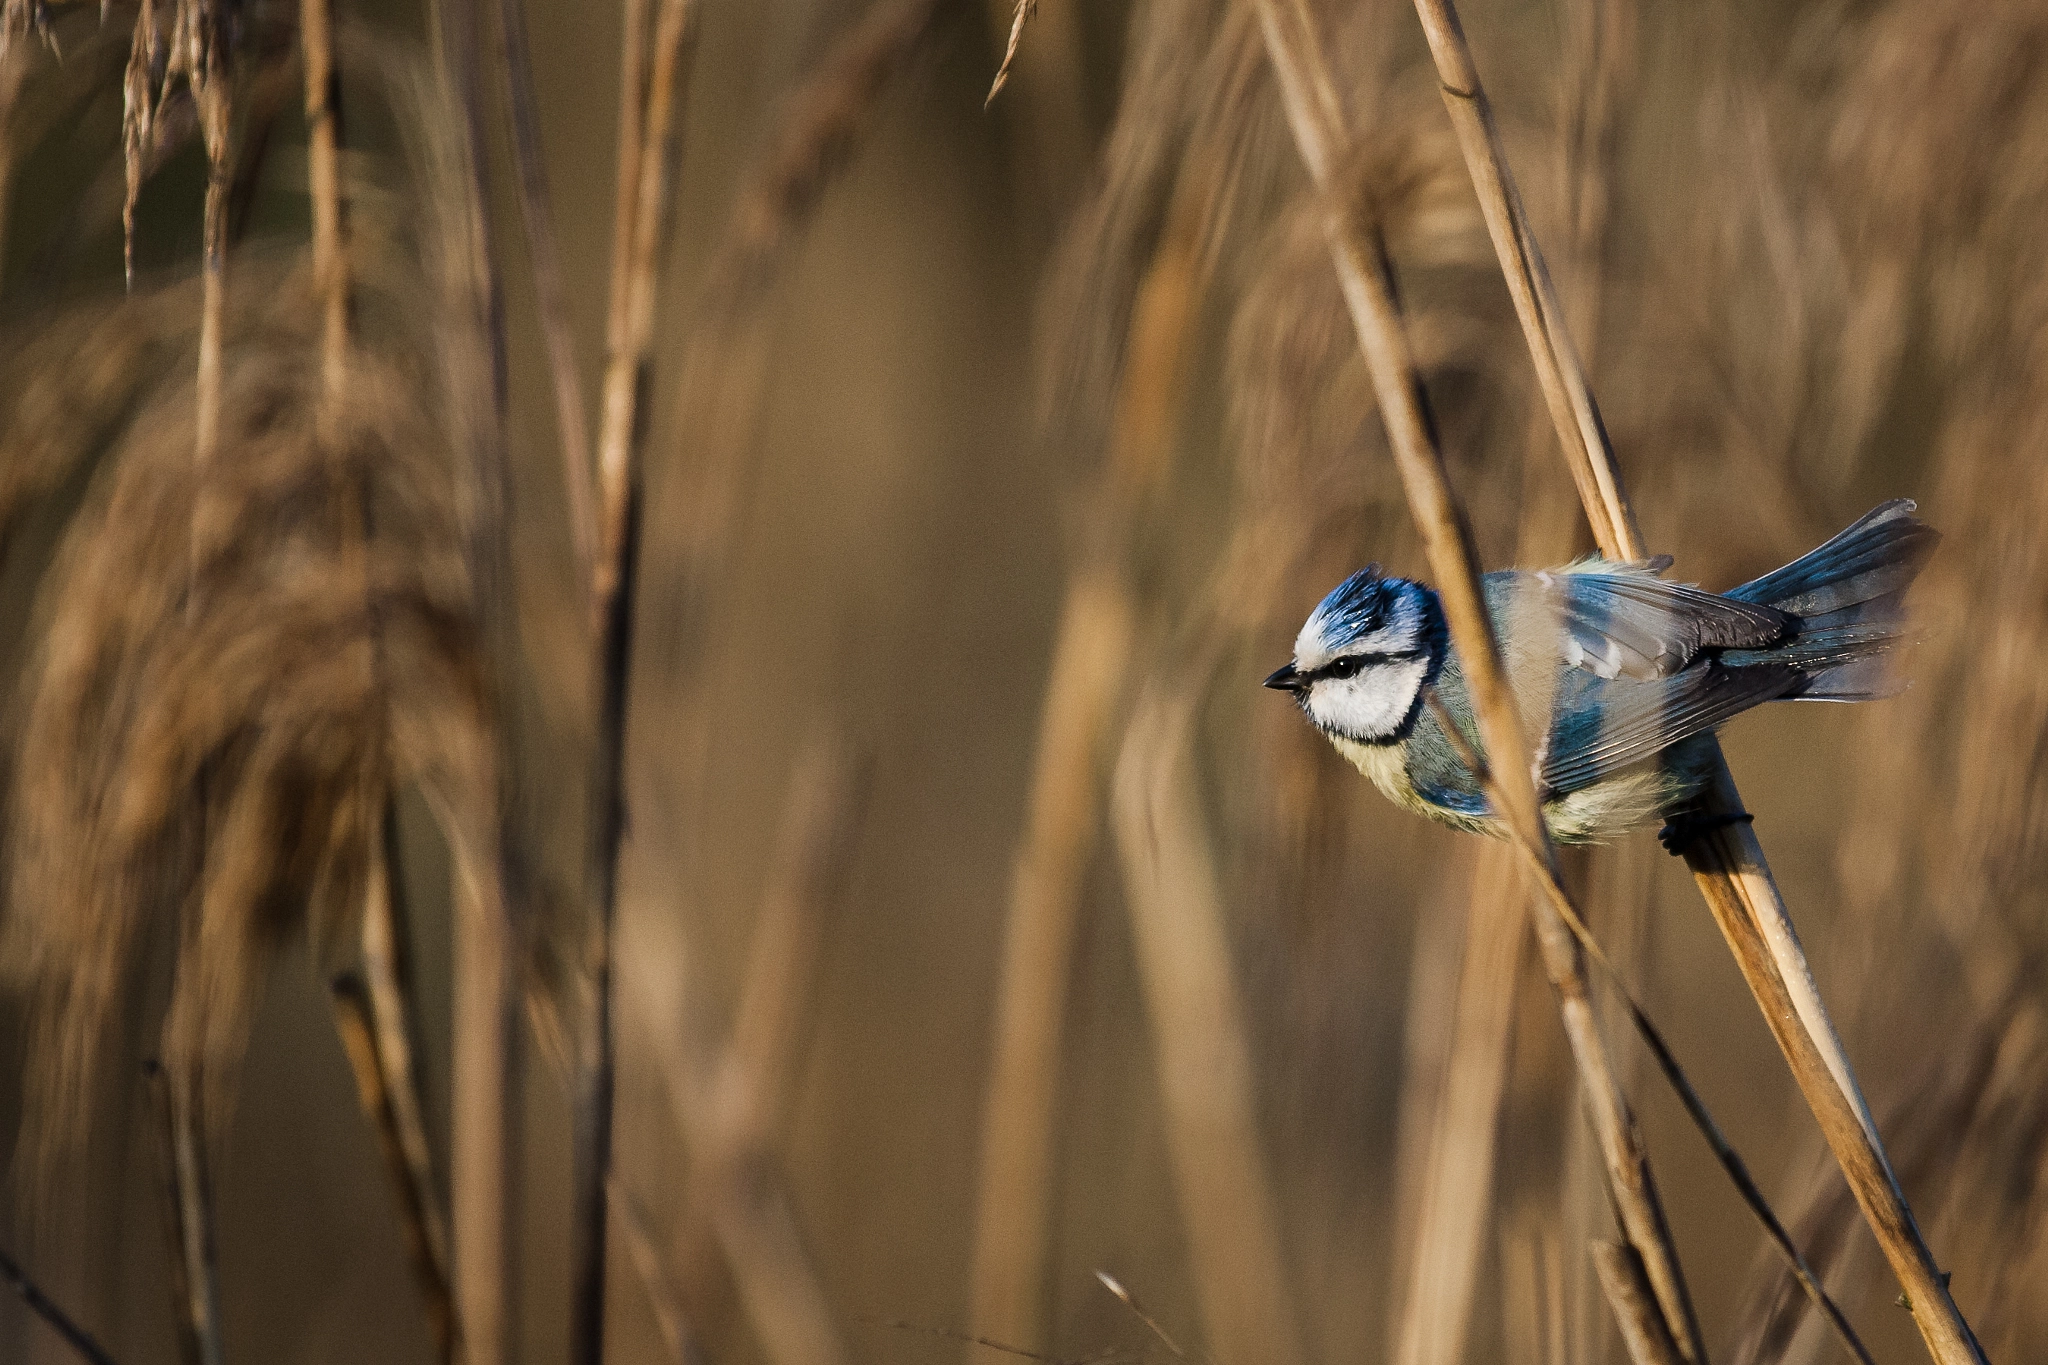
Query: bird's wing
(1601, 727)
(1621, 621)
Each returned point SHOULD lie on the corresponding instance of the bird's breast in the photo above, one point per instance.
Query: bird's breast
(1387, 766)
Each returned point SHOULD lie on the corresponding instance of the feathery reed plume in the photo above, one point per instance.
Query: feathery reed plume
(130, 703)
(1728, 862)
(1318, 122)
(621, 442)
(1205, 1068)
(197, 739)
(43, 1307)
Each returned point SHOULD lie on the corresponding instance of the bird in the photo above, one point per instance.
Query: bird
(1621, 675)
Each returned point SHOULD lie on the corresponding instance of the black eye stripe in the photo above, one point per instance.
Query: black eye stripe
(1351, 663)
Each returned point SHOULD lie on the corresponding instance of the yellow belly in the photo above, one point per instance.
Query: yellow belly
(1609, 808)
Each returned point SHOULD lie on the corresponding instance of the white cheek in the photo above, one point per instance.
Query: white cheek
(1369, 706)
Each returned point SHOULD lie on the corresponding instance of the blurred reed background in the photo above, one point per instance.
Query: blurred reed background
(831, 533)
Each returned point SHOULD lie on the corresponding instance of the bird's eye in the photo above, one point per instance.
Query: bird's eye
(1345, 667)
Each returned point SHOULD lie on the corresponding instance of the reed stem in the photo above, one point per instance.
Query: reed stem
(1456, 1173)
(1206, 1078)
(194, 1192)
(620, 448)
(355, 1022)
(58, 1320)
(485, 1091)
(1316, 117)
(1094, 641)
(1728, 864)
(733, 1099)
(1635, 1306)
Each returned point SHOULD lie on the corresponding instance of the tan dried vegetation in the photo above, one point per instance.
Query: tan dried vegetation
(950, 477)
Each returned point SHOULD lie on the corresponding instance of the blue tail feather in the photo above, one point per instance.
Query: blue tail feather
(1848, 598)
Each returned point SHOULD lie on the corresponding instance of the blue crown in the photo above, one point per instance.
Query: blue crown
(1357, 606)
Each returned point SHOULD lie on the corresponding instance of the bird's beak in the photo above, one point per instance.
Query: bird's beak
(1287, 678)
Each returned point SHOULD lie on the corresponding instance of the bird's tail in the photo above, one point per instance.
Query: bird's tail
(1848, 596)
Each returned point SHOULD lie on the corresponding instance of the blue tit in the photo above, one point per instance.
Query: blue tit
(1622, 675)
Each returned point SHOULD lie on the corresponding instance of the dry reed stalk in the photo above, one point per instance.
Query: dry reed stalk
(1019, 17)
(536, 207)
(1044, 76)
(393, 1022)
(355, 1021)
(56, 1318)
(197, 50)
(1435, 1314)
(1923, 1121)
(157, 1082)
(743, 1090)
(323, 170)
(1012, 1208)
(485, 1099)
(484, 1108)
(194, 1211)
(1558, 367)
(1316, 117)
(825, 809)
(197, 31)
(636, 276)
(728, 349)
(390, 1086)
(214, 130)
(633, 75)
(738, 1192)
(758, 1230)
(1728, 863)
(1456, 1178)
(1635, 1306)
(1207, 1083)
(620, 448)
(664, 1298)
(1092, 644)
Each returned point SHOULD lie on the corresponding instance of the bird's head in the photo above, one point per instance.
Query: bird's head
(1362, 661)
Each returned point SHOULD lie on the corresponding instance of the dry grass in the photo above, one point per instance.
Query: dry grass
(1102, 964)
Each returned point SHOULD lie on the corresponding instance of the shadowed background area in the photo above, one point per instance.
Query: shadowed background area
(979, 924)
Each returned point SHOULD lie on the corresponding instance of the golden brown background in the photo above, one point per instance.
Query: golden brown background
(1803, 253)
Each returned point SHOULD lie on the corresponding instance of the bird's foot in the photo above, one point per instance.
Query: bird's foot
(1683, 829)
